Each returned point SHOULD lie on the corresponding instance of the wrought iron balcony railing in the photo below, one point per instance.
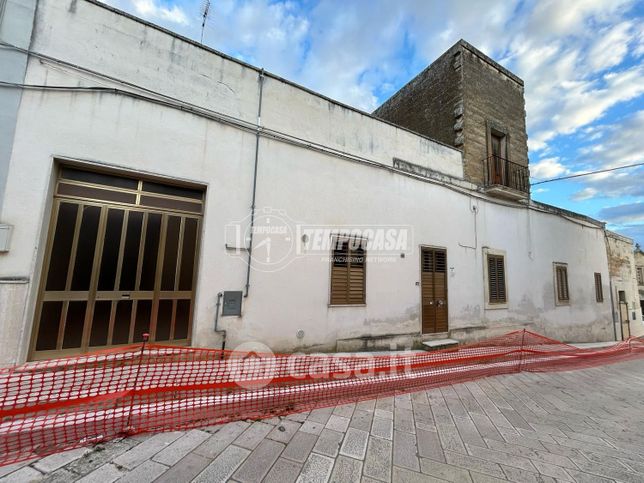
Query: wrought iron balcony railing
(502, 172)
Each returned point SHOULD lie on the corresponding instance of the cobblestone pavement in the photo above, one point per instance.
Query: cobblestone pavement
(582, 426)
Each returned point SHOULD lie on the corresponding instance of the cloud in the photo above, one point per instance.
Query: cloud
(152, 10)
(547, 168)
(584, 194)
(627, 219)
(586, 102)
(622, 144)
(270, 34)
(611, 46)
(636, 232)
(575, 95)
(628, 213)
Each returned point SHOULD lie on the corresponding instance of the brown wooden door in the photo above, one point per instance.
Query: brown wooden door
(497, 160)
(434, 290)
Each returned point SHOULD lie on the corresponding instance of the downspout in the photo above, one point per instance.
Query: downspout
(219, 331)
(612, 307)
(252, 207)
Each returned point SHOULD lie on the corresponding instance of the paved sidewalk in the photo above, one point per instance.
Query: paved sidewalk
(583, 426)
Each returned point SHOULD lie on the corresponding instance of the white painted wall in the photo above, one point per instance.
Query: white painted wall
(312, 188)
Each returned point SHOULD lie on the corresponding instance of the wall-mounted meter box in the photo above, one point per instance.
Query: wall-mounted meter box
(232, 303)
(5, 237)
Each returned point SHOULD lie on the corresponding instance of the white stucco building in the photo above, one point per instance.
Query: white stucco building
(131, 159)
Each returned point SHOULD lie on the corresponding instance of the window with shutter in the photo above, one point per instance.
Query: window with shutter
(348, 265)
(561, 284)
(599, 291)
(496, 279)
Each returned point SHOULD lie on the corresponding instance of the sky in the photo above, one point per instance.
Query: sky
(582, 62)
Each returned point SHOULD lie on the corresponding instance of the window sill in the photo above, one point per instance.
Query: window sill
(562, 304)
(496, 306)
(346, 305)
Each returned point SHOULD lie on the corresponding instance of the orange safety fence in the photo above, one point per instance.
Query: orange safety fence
(55, 405)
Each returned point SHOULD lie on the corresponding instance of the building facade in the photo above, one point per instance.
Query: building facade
(627, 312)
(146, 175)
(639, 275)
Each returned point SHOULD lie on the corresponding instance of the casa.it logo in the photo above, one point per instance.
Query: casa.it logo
(272, 237)
(251, 365)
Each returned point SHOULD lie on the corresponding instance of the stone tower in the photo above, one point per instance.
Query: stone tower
(467, 100)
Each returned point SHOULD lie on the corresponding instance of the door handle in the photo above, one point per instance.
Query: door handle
(125, 295)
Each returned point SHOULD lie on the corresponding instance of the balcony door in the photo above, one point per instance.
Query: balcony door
(499, 149)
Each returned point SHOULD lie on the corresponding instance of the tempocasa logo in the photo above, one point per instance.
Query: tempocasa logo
(275, 240)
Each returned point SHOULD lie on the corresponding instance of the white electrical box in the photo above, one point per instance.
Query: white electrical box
(5, 237)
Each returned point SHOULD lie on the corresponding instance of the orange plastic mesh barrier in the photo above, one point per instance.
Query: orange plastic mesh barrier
(55, 405)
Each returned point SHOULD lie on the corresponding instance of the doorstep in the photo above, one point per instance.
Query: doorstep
(438, 344)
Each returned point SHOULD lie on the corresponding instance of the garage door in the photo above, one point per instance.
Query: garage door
(120, 261)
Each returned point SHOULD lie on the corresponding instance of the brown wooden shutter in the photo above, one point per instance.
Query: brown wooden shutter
(348, 272)
(599, 291)
(496, 279)
(561, 275)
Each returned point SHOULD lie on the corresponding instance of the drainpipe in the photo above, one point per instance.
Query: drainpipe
(612, 307)
(252, 207)
(219, 331)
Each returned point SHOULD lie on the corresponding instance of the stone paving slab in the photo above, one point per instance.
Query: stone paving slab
(579, 426)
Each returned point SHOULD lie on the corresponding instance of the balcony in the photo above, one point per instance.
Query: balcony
(506, 179)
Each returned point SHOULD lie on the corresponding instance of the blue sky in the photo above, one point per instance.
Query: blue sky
(582, 63)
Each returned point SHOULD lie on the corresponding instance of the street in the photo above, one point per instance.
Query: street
(578, 426)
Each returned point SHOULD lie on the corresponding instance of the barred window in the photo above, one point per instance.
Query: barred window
(561, 283)
(640, 275)
(496, 279)
(348, 265)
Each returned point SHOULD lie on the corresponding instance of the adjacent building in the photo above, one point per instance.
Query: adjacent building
(627, 311)
(639, 275)
(149, 184)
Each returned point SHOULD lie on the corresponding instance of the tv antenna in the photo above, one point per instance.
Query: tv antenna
(205, 11)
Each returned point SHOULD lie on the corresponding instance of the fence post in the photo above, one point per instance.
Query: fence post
(521, 351)
(128, 429)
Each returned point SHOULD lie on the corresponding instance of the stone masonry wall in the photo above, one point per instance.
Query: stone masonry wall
(491, 98)
(430, 102)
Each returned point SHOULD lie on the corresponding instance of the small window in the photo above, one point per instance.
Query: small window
(599, 292)
(640, 275)
(561, 284)
(496, 279)
(348, 264)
